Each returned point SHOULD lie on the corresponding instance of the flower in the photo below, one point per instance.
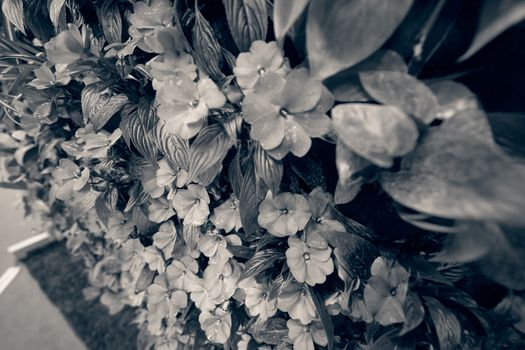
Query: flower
(70, 178)
(285, 113)
(182, 274)
(67, 47)
(215, 247)
(184, 104)
(385, 292)
(220, 281)
(46, 78)
(200, 297)
(304, 336)
(258, 299)
(263, 58)
(308, 264)
(160, 210)
(283, 215)
(131, 257)
(192, 205)
(163, 295)
(227, 215)
(165, 174)
(154, 258)
(295, 299)
(322, 220)
(148, 177)
(216, 325)
(97, 145)
(165, 238)
(119, 227)
(169, 64)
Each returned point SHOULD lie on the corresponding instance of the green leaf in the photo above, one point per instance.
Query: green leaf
(102, 210)
(260, 262)
(136, 125)
(273, 332)
(309, 170)
(349, 164)
(99, 104)
(453, 174)
(285, 14)
(248, 21)
(235, 173)
(14, 11)
(137, 196)
(248, 202)
(346, 87)
(495, 18)
(209, 147)
(414, 313)
(376, 133)
(173, 147)
(144, 280)
(111, 198)
(401, 90)
(56, 7)
(110, 19)
(453, 98)
(268, 169)
(208, 52)
(446, 324)
(341, 33)
(325, 318)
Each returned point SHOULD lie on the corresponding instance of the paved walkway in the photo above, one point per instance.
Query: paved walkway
(28, 320)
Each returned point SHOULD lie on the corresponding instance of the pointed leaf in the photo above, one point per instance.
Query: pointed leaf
(55, 8)
(99, 104)
(285, 14)
(248, 202)
(137, 196)
(341, 33)
(14, 11)
(172, 146)
(136, 126)
(414, 313)
(349, 164)
(446, 324)
(268, 169)
(110, 19)
(260, 262)
(207, 49)
(248, 21)
(325, 318)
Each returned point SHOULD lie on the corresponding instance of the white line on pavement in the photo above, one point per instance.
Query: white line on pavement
(8, 277)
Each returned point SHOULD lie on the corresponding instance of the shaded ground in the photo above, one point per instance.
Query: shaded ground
(62, 280)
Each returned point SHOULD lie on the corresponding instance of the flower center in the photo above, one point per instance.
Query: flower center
(78, 172)
(284, 113)
(283, 211)
(108, 142)
(306, 256)
(166, 207)
(197, 201)
(221, 277)
(318, 220)
(261, 71)
(264, 295)
(393, 292)
(194, 103)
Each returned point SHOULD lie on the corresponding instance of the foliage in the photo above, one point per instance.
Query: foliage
(200, 157)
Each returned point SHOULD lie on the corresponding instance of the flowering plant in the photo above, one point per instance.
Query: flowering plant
(265, 174)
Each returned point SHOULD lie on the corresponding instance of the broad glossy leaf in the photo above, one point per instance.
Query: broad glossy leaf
(14, 11)
(401, 90)
(346, 87)
(446, 324)
(110, 19)
(285, 14)
(268, 169)
(458, 176)
(144, 280)
(248, 202)
(414, 313)
(349, 164)
(326, 320)
(209, 147)
(495, 18)
(341, 33)
(274, 331)
(248, 21)
(453, 98)
(136, 125)
(207, 49)
(309, 170)
(260, 262)
(137, 196)
(173, 147)
(102, 210)
(99, 104)
(377, 133)
(55, 8)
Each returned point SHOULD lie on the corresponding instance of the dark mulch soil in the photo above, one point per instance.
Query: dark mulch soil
(62, 278)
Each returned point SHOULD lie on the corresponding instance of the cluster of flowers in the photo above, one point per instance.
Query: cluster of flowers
(116, 153)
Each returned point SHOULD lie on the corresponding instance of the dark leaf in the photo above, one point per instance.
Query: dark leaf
(14, 11)
(248, 202)
(137, 196)
(377, 133)
(136, 126)
(508, 129)
(111, 21)
(173, 147)
(446, 324)
(99, 104)
(144, 280)
(206, 177)
(207, 49)
(285, 14)
(401, 90)
(56, 7)
(268, 169)
(309, 170)
(248, 21)
(102, 210)
(240, 251)
(325, 318)
(274, 331)
(414, 313)
(341, 33)
(346, 87)
(260, 262)
(235, 174)
(452, 174)
(495, 18)
(111, 198)
(209, 147)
